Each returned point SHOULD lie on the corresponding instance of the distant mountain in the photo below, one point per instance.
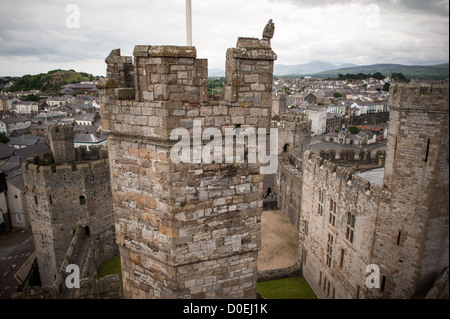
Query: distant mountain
(216, 73)
(323, 69)
(439, 71)
(347, 65)
(306, 68)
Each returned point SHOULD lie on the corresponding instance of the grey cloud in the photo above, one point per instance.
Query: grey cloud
(438, 7)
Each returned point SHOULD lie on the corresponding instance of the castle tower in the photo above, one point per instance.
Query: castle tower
(65, 195)
(61, 143)
(185, 230)
(412, 240)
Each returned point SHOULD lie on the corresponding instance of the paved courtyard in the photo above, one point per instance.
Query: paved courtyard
(279, 241)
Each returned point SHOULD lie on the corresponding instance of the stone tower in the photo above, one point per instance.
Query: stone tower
(61, 143)
(60, 197)
(185, 230)
(415, 244)
(396, 224)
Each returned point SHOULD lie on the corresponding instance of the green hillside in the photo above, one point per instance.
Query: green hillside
(50, 82)
(439, 71)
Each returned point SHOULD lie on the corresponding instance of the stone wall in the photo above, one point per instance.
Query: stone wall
(367, 119)
(107, 287)
(185, 230)
(330, 190)
(61, 197)
(289, 190)
(416, 174)
(402, 226)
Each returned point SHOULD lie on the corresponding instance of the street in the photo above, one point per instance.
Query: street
(15, 249)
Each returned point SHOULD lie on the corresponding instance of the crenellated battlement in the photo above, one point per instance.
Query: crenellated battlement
(347, 176)
(61, 132)
(169, 89)
(221, 230)
(71, 171)
(419, 97)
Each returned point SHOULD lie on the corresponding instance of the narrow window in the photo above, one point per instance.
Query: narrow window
(320, 279)
(35, 199)
(428, 150)
(50, 199)
(350, 227)
(341, 261)
(357, 293)
(395, 147)
(305, 253)
(321, 203)
(332, 213)
(82, 200)
(383, 283)
(398, 238)
(329, 249)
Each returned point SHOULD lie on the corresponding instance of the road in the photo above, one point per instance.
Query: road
(15, 249)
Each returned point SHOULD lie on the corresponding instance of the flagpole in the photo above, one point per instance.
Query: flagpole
(189, 22)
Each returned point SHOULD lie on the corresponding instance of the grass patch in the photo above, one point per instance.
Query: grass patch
(110, 267)
(287, 288)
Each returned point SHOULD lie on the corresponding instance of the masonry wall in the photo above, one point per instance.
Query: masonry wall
(185, 230)
(402, 227)
(294, 136)
(61, 197)
(289, 188)
(324, 182)
(416, 174)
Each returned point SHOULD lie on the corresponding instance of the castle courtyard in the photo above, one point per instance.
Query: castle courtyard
(279, 241)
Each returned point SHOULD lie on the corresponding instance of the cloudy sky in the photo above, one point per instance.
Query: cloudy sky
(38, 36)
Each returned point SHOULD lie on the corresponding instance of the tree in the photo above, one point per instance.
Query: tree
(32, 97)
(353, 129)
(378, 76)
(386, 86)
(3, 138)
(286, 90)
(399, 77)
(337, 94)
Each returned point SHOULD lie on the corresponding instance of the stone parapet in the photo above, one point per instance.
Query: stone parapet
(185, 229)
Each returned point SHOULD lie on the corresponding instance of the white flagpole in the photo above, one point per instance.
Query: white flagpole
(189, 22)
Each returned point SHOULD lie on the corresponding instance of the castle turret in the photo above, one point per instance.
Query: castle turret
(73, 192)
(61, 143)
(189, 229)
(412, 240)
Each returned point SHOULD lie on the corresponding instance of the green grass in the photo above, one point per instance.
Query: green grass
(288, 288)
(110, 267)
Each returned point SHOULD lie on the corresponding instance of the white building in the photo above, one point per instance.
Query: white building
(25, 107)
(12, 124)
(336, 109)
(318, 117)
